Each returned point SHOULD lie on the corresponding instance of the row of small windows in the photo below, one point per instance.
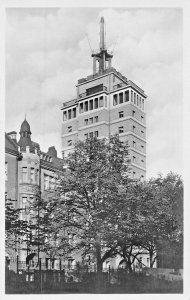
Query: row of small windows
(122, 97)
(91, 120)
(86, 122)
(134, 146)
(86, 135)
(91, 134)
(121, 130)
(133, 115)
(32, 177)
(134, 160)
(137, 100)
(69, 114)
(93, 104)
(121, 115)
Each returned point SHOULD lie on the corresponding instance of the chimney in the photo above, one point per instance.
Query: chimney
(52, 151)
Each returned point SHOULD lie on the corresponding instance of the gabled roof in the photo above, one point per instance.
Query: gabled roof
(9, 143)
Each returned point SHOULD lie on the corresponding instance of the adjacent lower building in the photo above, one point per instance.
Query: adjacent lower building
(107, 103)
(29, 173)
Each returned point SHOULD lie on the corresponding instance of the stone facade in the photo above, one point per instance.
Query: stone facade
(29, 172)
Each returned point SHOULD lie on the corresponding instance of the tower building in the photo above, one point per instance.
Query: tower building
(107, 103)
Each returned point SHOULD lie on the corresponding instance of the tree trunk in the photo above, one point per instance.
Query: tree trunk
(151, 259)
(99, 282)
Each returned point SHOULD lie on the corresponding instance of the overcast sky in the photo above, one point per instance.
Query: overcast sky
(47, 51)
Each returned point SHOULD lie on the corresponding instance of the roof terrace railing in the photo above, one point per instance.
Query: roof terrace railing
(83, 95)
(69, 103)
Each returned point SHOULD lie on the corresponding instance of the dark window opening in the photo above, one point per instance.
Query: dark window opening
(81, 107)
(126, 96)
(74, 112)
(115, 99)
(69, 114)
(120, 98)
(86, 106)
(96, 103)
(101, 101)
(91, 105)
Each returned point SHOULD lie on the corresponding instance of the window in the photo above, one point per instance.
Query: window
(120, 98)
(142, 161)
(142, 147)
(133, 128)
(143, 104)
(74, 112)
(134, 159)
(86, 121)
(121, 129)
(105, 101)
(96, 119)
(96, 103)
(69, 143)
(142, 132)
(91, 105)
(86, 135)
(32, 179)
(86, 106)
(24, 174)
(131, 96)
(134, 144)
(140, 102)
(65, 116)
(137, 100)
(23, 207)
(52, 183)
(142, 119)
(101, 101)
(133, 113)
(91, 120)
(121, 114)
(91, 134)
(46, 182)
(81, 108)
(69, 129)
(6, 171)
(126, 96)
(96, 133)
(115, 99)
(69, 114)
(134, 98)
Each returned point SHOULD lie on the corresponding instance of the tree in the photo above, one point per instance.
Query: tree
(90, 190)
(129, 232)
(15, 229)
(161, 200)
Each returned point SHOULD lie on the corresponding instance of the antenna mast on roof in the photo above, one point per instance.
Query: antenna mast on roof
(102, 56)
